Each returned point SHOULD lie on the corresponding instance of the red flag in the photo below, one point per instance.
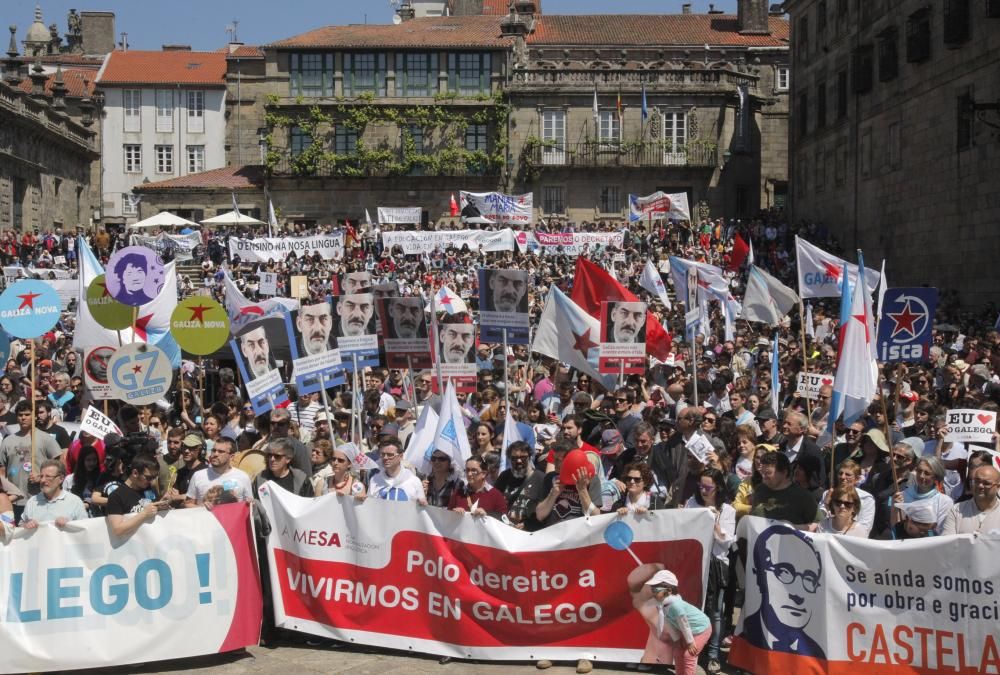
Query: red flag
(740, 251)
(592, 284)
(453, 207)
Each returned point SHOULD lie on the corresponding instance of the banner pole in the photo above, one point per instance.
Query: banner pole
(506, 379)
(413, 386)
(694, 372)
(34, 385)
(437, 340)
(322, 394)
(888, 438)
(361, 407)
(201, 382)
(805, 361)
(621, 373)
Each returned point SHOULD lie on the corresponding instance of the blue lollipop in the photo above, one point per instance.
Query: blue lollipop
(618, 535)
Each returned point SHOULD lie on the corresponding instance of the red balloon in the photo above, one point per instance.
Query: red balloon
(575, 460)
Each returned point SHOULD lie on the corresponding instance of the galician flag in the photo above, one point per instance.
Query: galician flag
(450, 302)
(243, 312)
(820, 273)
(449, 435)
(567, 333)
(652, 281)
(418, 452)
(856, 381)
(775, 380)
(272, 219)
(511, 434)
(766, 300)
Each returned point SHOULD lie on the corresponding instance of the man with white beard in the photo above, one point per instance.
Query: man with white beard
(314, 323)
(518, 484)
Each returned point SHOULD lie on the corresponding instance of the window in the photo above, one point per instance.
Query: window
(196, 112)
(675, 138)
(802, 115)
(783, 72)
(164, 158)
(866, 153)
(610, 199)
(164, 110)
(132, 105)
(298, 141)
(803, 33)
(130, 205)
(310, 75)
(842, 94)
(888, 55)
(196, 158)
(416, 135)
(965, 121)
(918, 36)
(895, 146)
(345, 141)
(821, 21)
(416, 74)
(820, 173)
(609, 130)
(133, 158)
(821, 105)
(993, 9)
(364, 73)
(552, 200)
(469, 73)
(554, 137)
(862, 66)
(956, 22)
(476, 137)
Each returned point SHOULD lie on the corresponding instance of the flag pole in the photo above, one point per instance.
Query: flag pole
(805, 361)
(437, 340)
(888, 435)
(34, 378)
(506, 378)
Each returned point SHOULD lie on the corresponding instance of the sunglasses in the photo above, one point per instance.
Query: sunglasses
(842, 503)
(437, 459)
(633, 479)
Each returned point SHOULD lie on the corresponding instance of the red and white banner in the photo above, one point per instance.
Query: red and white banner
(850, 606)
(406, 577)
(185, 584)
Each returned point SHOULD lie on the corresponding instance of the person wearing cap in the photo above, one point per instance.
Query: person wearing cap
(906, 417)
(927, 475)
(404, 420)
(321, 426)
(678, 630)
(767, 420)
(192, 460)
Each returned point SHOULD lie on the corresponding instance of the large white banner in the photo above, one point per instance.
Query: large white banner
(426, 242)
(182, 246)
(659, 205)
(264, 249)
(403, 576)
(498, 207)
(182, 585)
(399, 215)
(835, 604)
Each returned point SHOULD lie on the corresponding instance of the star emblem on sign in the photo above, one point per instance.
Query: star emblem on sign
(28, 300)
(582, 342)
(106, 292)
(198, 313)
(905, 321)
(137, 369)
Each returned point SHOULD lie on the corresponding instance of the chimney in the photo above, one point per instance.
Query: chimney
(59, 90)
(38, 79)
(686, 8)
(713, 10)
(752, 17)
(233, 46)
(406, 11)
(180, 48)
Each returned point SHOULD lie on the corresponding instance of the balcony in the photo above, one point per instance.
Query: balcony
(642, 155)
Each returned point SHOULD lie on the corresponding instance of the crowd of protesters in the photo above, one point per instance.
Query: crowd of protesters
(889, 475)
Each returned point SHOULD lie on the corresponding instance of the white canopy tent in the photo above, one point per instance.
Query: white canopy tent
(163, 219)
(233, 218)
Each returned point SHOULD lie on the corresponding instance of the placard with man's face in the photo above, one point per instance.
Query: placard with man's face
(354, 316)
(404, 328)
(503, 305)
(353, 283)
(623, 337)
(253, 350)
(316, 360)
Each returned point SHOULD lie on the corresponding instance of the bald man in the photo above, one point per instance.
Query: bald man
(981, 514)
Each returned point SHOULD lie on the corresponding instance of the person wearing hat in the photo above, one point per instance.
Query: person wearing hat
(192, 460)
(678, 630)
(767, 420)
(906, 416)
(916, 520)
(874, 451)
(404, 419)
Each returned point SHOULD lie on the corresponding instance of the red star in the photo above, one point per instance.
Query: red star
(446, 300)
(136, 369)
(106, 292)
(198, 313)
(861, 318)
(140, 326)
(28, 300)
(905, 321)
(834, 271)
(582, 343)
(252, 309)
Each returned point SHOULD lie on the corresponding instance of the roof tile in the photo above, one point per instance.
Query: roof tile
(236, 177)
(651, 30)
(453, 31)
(72, 79)
(180, 67)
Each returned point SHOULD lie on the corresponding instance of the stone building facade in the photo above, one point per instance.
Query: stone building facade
(895, 135)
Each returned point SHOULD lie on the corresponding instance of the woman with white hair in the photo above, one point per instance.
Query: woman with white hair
(925, 486)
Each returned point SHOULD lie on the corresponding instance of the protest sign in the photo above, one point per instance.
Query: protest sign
(399, 215)
(268, 283)
(134, 276)
(184, 584)
(439, 582)
(700, 447)
(355, 282)
(809, 384)
(95, 372)
(404, 329)
(971, 426)
(180, 247)
(97, 424)
(356, 336)
(200, 325)
(266, 392)
(454, 350)
(266, 249)
(623, 338)
(298, 286)
(316, 362)
(107, 311)
(847, 605)
(416, 242)
(255, 358)
(904, 329)
(659, 205)
(503, 306)
(497, 207)
(29, 308)
(140, 373)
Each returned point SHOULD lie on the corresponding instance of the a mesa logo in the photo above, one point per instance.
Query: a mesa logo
(313, 537)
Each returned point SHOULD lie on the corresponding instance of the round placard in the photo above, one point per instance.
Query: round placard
(134, 275)
(29, 308)
(107, 311)
(200, 325)
(140, 374)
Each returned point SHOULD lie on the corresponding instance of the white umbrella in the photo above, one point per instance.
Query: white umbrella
(163, 219)
(233, 218)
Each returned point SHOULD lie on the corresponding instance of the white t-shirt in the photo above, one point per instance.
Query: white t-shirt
(404, 487)
(952, 479)
(233, 481)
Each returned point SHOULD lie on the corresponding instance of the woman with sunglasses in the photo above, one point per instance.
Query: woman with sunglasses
(711, 495)
(846, 505)
(848, 476)
(321, 458)
(637, 477)
(442, 481)
(343, 481)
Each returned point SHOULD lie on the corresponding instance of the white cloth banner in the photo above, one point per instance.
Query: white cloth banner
(182, 246)
(578, 239)
(827, 603)
(415, 242)
(498, 207)
(399, 215)
(264, 249)
(659, 205)
(184, 584)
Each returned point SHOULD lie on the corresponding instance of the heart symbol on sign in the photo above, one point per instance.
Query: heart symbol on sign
(984, 418)
(827, 380)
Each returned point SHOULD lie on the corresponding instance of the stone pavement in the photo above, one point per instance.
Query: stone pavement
(292, 657)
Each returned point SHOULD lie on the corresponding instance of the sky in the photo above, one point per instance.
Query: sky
(202, 23)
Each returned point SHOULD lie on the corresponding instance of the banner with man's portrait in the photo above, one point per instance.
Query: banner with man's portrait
(404, 331)
(354, 320)
(316, 362)
(455, 349)
(255, 357)
(503, 305)
(623, 338)
(352, 283)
